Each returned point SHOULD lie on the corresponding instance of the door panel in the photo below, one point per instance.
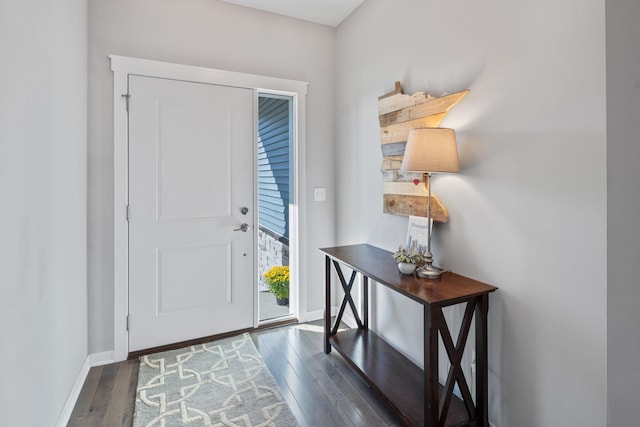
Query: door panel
(184, 274)
(191, 171)
(200, 163)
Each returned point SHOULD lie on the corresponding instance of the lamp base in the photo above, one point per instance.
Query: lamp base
(428, 271)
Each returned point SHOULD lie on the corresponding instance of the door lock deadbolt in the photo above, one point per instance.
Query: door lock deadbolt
(244, 210)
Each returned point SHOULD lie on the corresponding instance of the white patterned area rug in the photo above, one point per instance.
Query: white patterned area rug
(221, 383)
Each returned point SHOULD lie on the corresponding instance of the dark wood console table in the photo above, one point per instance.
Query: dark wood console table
(414, 394)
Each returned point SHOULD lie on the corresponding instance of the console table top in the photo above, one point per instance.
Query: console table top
(379, 265)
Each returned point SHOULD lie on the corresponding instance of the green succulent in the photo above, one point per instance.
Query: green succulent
(402, 255)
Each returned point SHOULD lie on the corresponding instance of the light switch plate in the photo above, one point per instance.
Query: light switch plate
(319, 194)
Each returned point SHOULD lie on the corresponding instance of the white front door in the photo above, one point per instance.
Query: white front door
(191, 162)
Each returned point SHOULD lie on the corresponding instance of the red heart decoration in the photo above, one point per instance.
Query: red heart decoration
(416, 181)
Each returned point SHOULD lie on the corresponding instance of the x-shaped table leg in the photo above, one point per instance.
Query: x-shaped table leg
(347, 298)
(456, 374)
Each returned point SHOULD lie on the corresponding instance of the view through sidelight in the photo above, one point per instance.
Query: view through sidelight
(275, 191)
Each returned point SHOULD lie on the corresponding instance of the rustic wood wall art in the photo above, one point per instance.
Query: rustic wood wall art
(405, 193)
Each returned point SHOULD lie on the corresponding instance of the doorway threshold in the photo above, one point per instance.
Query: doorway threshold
(267, 324)
(276, 322)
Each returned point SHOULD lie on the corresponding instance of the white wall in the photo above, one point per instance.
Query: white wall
(527, 212)
(43, 175)
(218, 35)
(623, 202)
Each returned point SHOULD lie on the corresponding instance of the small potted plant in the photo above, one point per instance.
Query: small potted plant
(278, 280)
(407, 260)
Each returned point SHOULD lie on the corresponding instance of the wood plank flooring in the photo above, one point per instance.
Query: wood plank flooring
(321, 389)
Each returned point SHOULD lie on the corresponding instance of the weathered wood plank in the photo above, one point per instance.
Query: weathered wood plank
(397, 101)
(397, 176)
(391, 163)
(430, 107)
(405, 188)
(400, 131)
(398, 204)
(396, 149)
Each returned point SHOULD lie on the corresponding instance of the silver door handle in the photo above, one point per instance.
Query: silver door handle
(243, 227)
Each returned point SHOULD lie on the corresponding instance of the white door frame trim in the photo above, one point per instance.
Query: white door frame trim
(122, 67)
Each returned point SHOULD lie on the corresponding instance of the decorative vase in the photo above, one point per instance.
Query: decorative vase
(406, 267)
(282, 301)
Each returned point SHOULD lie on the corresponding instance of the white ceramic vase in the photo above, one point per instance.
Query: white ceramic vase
(406, 267)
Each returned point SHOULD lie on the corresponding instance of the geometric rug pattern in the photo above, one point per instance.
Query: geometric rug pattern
(221, 383)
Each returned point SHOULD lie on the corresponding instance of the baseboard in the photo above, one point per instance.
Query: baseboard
(310, 316)
(100, 359)
(347, 317)
(70, 403)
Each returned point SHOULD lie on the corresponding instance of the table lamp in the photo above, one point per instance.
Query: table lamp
(430, 150)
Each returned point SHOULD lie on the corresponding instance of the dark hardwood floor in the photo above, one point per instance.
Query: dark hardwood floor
(320, 389)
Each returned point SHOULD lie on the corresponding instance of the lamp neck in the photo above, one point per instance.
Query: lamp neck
(428, 182)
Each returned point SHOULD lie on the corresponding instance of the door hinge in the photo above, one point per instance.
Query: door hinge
(127, 212)
(127, 322)
(126, 97)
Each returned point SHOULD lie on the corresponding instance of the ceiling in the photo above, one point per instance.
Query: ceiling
(327, 12)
